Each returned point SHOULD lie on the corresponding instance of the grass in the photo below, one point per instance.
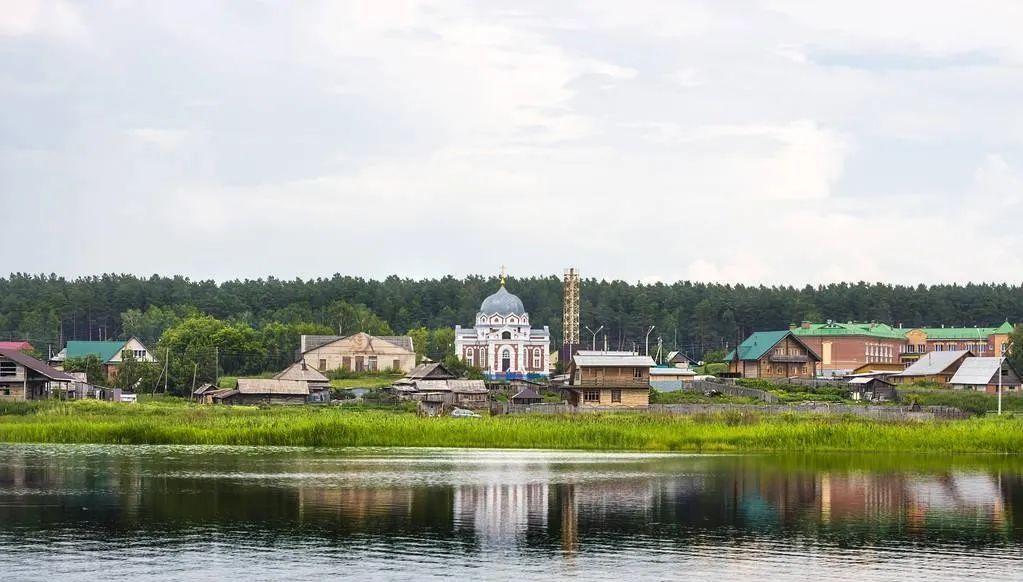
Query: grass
(169, 421)
(968, 400)
(370, 382)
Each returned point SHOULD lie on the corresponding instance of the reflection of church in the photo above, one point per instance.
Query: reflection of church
(501, 343)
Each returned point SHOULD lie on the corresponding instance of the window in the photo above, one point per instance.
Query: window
(8, 368)
(396, 365)
(360, 363)
(5, 392)
(323, 364)
(616, 395)
(591, 396)
(637, 373)
(346, 363)
(536, 359)
(139, 354)
(372, 363)
(506, 335)
(469, 359)
(505, 361)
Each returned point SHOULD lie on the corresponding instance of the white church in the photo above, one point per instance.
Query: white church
(501, 343)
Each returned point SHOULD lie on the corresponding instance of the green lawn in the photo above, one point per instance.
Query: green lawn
(174, 421)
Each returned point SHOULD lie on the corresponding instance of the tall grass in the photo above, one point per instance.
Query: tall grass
(163, 422)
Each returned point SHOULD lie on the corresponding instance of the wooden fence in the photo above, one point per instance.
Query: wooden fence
(874, 412)
(730, 389)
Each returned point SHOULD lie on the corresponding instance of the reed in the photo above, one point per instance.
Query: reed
(180, 423)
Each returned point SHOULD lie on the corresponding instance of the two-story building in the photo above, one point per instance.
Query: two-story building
(110, 353)
(981, 341)
(23, 377)
(773, 354)
(609, 379)
(844, 347)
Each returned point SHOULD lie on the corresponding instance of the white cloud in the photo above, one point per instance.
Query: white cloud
(55, 18)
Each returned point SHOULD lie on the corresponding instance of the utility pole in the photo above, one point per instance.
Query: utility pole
(594, 347)
(648, 339)
(216, 366)
(166, 368)
(605, 342)
(1001, 362)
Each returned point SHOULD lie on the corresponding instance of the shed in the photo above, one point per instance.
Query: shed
(933, 366)
(527, 396)
(872, 389)
(982, 374)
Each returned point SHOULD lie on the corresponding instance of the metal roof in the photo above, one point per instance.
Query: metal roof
(611, 360)
(104, 350)
(35, 365)
(966, 333)
(852, 328)
(976, 371)
(502, 303)
(16, 345)
(302, 371)
(528, 394)
(671, 372)
(934, 363)
(272, 386)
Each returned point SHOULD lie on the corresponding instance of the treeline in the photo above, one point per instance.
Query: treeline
(691, 316)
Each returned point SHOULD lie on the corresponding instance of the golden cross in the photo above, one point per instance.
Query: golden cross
(502, 275)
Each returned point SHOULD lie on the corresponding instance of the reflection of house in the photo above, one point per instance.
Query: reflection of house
(773, 354)
(500, 513)
(932, 367)
(609, 379)
(23, 377)
(111, 354)
(359, 352)
(981, 374)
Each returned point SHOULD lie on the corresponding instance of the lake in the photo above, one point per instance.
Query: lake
(199, 513)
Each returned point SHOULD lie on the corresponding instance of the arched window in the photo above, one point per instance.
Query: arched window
(537, 359)
(506, 335)
(469, 357)
(505, 361)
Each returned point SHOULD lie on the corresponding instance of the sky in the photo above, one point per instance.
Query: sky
(773, 142)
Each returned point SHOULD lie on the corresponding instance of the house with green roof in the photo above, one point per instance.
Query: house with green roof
(982, 341)
(845, 347)
(773, 355)
(111, 353)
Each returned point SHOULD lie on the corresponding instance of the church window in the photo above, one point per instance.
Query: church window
(536, 359)
(469, 357)
(505, 361)
(506, 335)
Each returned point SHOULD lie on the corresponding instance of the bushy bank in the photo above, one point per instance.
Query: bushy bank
(180, 423)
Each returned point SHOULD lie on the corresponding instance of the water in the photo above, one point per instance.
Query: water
(208, 513)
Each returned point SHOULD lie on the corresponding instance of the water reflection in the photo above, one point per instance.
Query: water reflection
(405, 513)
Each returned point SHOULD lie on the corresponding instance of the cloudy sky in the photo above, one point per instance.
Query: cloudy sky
(775, 141)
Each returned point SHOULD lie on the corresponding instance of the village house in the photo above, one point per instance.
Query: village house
(843, 347)
(111, 354)
(359, 352)
(453, 392)
(872, 389)
(679, 360)
(939, 367)
(23, 377)
(773, 355)
(255, 391)
(526, 396)
(981, 374)
(609, 379)
(21, 346)
(301, 371)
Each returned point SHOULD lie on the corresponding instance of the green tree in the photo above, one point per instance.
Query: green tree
(420, 341)
(91, 365)
(1015, 356)
(135, 376)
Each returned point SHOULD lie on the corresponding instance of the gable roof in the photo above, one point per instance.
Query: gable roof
(976, 371)
(311, 342)
(35, 365)
(433, 371)
(272, 386)
(677, 356)
(302, 371)
(528, 394)
(16, 345)
(759, 343)
(104, 350)
(934, 363)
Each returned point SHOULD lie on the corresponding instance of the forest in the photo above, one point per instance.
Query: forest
(695, 317)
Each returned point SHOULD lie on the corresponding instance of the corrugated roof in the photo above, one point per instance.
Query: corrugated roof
(852, 328)
(671, 372)
(272, 386)
(104, 350)
(976, 371)
(759, 343)
(35, 365)
(527, 394)
(302, 371)
(468, 386)
(16, 345)
(435, 370)
(610, 360)
(964, 333)
(933, 363)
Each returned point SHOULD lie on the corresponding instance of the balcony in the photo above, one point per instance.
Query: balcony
(789, 358)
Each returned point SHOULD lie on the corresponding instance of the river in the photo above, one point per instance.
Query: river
(219, 513)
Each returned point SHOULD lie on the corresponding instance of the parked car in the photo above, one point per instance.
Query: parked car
(464, 413)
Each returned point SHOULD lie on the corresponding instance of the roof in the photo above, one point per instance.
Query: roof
(612, 360)
(759, 343)
(659, 371)
(16, 345)
(965, 333)
(204, 388)
(868, 380)
(104, 350)
(502, 303)
(527, 394)
(272, 386)
(432, 386)
(934, 363)
(311, 342)
(35, 365)
(976, 371)
(677, 356)
(436, 371)
(876, 330)
(302, 371)
(223, 393)
(468, 386)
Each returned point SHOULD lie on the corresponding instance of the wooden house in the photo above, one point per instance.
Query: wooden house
(111, 354)
(526, 396)
(301, 371)
(23, 377)
(271, 391)
(872, 389)
(609, 379)
(981, 374)
(453, 392)
(773, 355)
(430, 371)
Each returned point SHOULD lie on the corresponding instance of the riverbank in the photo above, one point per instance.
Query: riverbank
(177, 422)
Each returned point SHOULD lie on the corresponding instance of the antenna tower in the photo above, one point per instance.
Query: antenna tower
(571, 321)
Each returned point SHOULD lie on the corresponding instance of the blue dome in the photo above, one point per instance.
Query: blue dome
(502, 303)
